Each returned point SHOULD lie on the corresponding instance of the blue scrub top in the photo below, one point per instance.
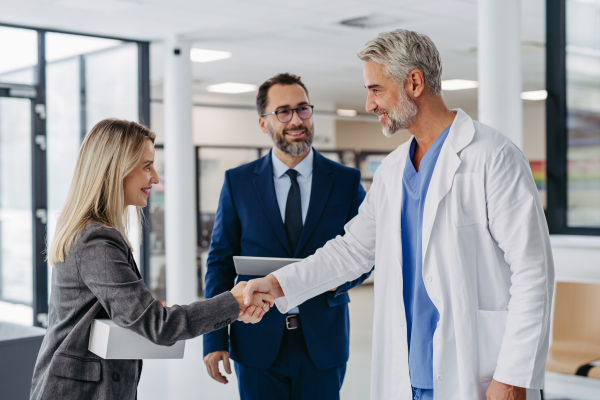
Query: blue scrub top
(421, 314)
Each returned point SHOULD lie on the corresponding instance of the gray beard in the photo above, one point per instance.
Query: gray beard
(294, 148)
(402, 116)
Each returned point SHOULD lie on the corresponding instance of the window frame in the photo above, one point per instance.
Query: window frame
(556, 123)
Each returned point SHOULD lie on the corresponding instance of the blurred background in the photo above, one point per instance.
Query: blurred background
(67, 64)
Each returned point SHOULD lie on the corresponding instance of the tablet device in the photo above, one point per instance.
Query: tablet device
(260, 266)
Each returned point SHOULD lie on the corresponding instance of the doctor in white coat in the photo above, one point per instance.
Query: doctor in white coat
(486, 258)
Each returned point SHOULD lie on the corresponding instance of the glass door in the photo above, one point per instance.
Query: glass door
(16, 215)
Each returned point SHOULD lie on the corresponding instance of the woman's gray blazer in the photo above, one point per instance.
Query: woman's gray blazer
(99, 279)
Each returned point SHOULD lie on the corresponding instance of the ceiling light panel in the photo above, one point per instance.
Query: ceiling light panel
(535, 95)
(203, 55)
(459, 84)
(232, 88)
(346, 113)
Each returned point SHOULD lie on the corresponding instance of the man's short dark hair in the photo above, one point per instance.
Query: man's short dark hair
(281, 79)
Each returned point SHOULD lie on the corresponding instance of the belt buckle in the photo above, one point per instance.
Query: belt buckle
(287, 322)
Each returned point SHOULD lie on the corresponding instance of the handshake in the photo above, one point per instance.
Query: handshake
(256, 297)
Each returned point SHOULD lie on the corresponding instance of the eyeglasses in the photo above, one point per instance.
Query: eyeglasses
(286, 114)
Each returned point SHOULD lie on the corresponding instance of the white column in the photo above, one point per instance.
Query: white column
(180, 207)
(499, 67)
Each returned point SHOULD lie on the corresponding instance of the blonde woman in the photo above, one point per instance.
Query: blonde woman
(95, 275)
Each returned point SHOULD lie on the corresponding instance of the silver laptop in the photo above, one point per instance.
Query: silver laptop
(260, 266)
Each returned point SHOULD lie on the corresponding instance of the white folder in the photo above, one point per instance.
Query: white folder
(112, 342)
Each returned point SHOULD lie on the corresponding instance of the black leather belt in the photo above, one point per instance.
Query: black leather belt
(292, 321)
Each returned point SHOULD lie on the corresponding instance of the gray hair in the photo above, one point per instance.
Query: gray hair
(402, 51)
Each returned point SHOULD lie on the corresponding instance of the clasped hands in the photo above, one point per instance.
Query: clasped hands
(252, 311)
(257, 296)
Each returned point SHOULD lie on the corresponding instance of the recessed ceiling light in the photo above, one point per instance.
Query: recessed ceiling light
(459, 84)
(232, 87)
(346, 113)
(203, 55)
(534, 95)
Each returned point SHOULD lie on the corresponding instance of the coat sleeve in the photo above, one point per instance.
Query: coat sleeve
(104, 268)
(220, 270)
(359, 196)
(342, 259)
(517, 224)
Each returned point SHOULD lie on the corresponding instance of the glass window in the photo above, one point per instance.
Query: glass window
(112, 84)
(16, 238)
(60, 46)
(19, 55)
(63, 133)
(87, 79)
(583, 113)
(213, 164)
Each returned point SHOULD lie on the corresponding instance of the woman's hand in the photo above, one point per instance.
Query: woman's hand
(252, 313)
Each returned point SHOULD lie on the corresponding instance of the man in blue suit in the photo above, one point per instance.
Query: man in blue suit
(286, 204)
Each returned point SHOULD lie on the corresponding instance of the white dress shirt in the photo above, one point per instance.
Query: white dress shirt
(283, 182)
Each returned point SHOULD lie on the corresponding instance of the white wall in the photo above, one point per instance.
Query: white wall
(576, 258)
(238, 127)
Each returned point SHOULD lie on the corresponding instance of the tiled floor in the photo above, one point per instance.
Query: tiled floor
(187, 379)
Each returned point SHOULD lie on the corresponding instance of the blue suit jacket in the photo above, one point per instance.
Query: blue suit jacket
(248, 223)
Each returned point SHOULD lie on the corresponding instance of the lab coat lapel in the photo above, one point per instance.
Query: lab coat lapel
(265, 190)
(322, 182)
(393, 184)
(460, 135)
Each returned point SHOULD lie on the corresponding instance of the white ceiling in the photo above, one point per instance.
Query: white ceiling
(267, 37)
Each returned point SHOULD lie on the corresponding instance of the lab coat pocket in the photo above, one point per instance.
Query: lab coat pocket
(491, 326)
(468, 199)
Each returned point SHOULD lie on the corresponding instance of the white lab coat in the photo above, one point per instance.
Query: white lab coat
(487, 267)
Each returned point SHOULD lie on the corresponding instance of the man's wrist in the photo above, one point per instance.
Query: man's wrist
(277, 291)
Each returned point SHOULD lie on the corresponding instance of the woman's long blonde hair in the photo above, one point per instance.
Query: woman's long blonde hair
(109, 152)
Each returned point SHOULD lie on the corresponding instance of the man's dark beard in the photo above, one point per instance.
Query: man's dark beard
(292, 148)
